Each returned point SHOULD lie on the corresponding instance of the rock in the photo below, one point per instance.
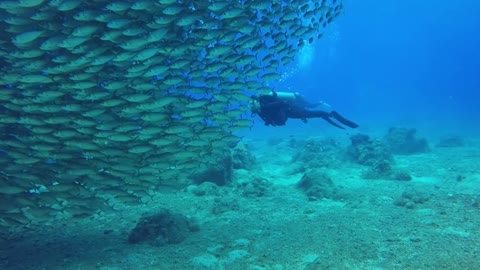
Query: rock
(256, 187)
(384, 170)
(365, 151)
(317, 185)
(205, 188)
(162, 228)
(220, 173)
(380, 170)
(242, 158)
(376, 155)
(317, 153)
(409, 199)
(403, 141)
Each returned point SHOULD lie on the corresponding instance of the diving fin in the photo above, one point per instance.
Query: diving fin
(343, 120)
(332, 123)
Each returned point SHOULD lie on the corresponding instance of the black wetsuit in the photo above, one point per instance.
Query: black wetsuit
(275, 111)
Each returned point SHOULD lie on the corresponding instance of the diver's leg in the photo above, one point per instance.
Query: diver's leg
(304, 114)
(343, 120)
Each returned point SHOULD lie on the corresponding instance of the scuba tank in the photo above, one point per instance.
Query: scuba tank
(285, 96)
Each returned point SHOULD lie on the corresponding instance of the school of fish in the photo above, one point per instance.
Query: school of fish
(103, 101)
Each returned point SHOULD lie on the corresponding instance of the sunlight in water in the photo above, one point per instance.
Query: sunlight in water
(304, 61)
(305, 56)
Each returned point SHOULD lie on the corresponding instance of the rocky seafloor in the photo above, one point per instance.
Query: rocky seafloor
(392, 202)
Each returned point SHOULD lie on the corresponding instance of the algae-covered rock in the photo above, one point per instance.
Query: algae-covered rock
(380, 170)
(316, 153)
(384, 170)
(316, 184)
(410, 199)
(376, 155)
(403, 141)
(255, 187)
(162, 228)
(204, 189)
(250, 184)
(219, 173)
(242, 158)
(366, 151)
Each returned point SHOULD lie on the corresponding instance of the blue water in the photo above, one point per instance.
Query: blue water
(383, 63)
(406, 63)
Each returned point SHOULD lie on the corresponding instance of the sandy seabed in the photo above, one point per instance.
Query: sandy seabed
(282, 229)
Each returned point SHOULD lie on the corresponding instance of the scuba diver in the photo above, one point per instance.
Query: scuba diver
(276, 107)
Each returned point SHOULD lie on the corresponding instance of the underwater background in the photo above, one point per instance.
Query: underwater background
(406, 63)
(168, 169)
